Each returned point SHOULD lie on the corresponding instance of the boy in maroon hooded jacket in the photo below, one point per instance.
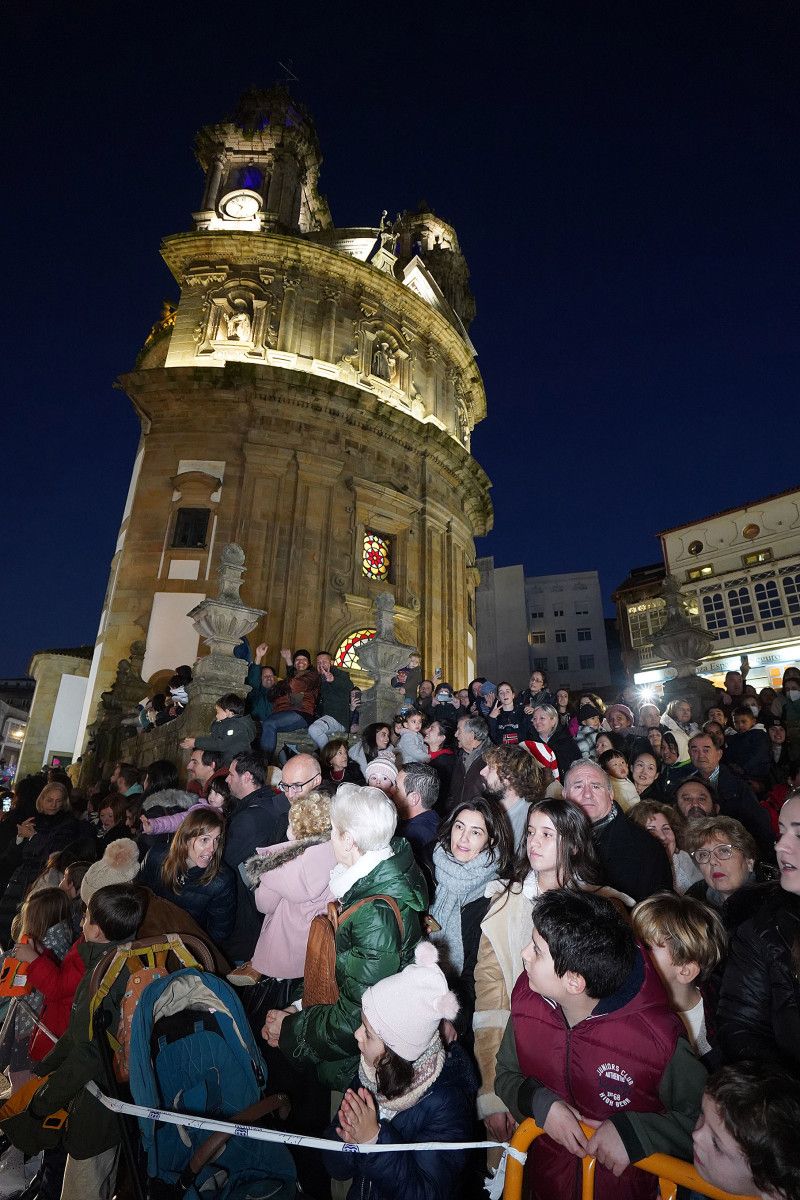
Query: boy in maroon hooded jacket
(592, 1038)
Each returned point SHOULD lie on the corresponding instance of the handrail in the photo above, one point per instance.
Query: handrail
(671, 1172)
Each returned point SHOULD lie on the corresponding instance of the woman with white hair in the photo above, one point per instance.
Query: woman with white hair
(373, 941)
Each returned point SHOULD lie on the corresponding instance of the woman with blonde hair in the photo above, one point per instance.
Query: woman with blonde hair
(190, 872)
(52, 827)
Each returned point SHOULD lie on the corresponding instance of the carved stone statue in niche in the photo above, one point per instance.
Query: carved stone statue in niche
(384, 362)
(238, 326)
(463, 426)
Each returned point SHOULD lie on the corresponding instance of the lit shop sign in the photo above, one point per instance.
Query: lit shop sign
(718, 666)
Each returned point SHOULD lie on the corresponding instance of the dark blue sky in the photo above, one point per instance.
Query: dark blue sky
(623, 180)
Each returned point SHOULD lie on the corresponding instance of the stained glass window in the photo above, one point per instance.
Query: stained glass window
(347, 654)
(376, 560)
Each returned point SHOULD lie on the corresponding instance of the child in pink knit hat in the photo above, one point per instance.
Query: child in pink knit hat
(411, 1088)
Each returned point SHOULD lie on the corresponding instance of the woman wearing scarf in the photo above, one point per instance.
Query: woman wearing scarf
(552, 746)
(474, 849)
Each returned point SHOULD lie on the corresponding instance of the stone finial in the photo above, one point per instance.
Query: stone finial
(680, 641)
(384, 616)
(231, 569)
(381, 658)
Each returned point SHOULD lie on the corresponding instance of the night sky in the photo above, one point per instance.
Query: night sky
(624, 183)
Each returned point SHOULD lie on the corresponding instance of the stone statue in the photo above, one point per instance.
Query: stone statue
(239, 327)
(387, 233)
(383, 361)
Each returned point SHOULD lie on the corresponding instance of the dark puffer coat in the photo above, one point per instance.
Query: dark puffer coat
(758, 1015)
(212, 904)
(446, 1113)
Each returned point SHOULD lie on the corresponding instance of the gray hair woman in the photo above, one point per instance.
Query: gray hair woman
(372, 940)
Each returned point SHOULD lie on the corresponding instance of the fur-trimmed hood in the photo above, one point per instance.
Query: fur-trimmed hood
(252, 870)
(170, 798)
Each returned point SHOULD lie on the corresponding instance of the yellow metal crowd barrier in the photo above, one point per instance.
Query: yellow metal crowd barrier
(671, 1172)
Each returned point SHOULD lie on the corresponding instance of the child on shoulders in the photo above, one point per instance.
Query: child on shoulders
(592, 1039)
(411, 747)
(615, 765)
(411, 1087)
(218, 799)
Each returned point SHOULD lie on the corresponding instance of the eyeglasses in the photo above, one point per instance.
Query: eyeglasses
(722, 853)
(288, 788)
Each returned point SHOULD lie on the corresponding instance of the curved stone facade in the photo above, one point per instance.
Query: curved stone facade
(313, 386)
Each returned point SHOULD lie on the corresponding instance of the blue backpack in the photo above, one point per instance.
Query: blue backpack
(192, 1051)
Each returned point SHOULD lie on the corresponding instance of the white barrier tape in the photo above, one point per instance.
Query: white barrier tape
(288, 1139)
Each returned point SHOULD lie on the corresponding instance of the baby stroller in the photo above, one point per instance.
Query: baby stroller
(190, 1049)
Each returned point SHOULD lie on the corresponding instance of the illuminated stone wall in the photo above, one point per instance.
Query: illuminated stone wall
(302, 397)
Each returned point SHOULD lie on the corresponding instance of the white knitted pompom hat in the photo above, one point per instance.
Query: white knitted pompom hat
(405, 1009)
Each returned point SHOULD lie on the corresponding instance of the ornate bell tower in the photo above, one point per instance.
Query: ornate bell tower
(311, 397)
(262, 169)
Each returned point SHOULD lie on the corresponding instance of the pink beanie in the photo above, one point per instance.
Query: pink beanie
(405, 1009)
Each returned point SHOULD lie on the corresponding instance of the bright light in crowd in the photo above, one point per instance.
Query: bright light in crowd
(646, 695)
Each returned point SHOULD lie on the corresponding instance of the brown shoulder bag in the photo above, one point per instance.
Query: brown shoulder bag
(319, 972)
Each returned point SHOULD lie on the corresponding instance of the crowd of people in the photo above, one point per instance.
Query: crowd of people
(537, 904)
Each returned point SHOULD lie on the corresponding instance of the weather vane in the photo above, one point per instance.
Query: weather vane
(290, 75)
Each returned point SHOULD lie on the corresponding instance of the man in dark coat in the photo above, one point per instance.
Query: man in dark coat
(472, 735)
(260, 818)
(632, 860)
(734, 795)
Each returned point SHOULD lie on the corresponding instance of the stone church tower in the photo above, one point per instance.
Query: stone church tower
(311, 397)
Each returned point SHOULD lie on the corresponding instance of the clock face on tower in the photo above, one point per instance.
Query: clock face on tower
(240, 205)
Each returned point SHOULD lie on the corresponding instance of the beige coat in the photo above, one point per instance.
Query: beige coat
(505, 932)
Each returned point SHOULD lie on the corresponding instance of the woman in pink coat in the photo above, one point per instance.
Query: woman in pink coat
(292, 885)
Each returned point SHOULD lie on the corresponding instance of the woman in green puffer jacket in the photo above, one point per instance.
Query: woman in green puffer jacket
(369, 944)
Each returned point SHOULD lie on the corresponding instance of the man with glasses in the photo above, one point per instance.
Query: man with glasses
(300, 776)
(260, 817)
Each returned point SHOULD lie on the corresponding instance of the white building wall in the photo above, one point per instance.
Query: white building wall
(514, 613)
(67, 713)
(502, 624)
(171, 637)
(568, 610)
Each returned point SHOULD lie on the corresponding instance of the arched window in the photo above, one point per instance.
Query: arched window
(376, 556)
(715, 617)
(347, 654)
(250, 177)
(742, 614)
(769, 605)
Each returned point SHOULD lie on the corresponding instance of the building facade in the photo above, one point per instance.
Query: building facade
(739, 573)
(61, 679)
(311, 397)
(551, 623)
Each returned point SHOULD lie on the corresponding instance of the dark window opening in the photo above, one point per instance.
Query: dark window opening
(191, 527)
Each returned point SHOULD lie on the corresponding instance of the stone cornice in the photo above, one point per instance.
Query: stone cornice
(197, 255)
